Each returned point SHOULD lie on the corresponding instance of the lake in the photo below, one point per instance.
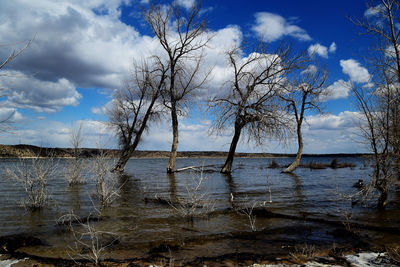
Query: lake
(142, 218)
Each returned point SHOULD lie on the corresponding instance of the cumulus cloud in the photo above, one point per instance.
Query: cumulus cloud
(9, 115)
(331, 133)
(85, 45)
(187, 4)
(83, 42)
(272, 27)
(343, 120)
(321, 50)
(337, 90)
(332, 48)
(25, 91)
(355, 71)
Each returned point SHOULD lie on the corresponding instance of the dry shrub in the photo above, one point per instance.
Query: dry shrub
(89, 243)
(33, 174)
(106, 181)
(196, 200)
(303, 254)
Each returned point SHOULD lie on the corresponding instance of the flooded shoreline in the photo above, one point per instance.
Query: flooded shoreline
(145, 224)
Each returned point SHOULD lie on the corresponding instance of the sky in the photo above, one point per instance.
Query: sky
(82, 51)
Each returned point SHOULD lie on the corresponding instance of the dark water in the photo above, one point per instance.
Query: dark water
(317, 193)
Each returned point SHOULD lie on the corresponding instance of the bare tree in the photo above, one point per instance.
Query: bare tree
(134, 107)
(4, 123)
(380, 104)
(76, 165)
(301, 93)
(89, 242)
(182, 37)
(250, 102)
(376, 132)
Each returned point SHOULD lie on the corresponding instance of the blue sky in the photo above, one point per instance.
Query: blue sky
(83, 50)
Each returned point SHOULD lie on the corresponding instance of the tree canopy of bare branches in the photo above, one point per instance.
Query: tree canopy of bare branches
(380, 104)
(303, 92)
(181, 34)
(250, 101)
(134, 107)
(4, 123)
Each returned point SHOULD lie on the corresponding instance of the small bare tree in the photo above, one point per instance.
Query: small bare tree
(89, 242)
(34, 174)
(135, 106)
(379, 103)
(250, 102)
(182, 38)
(304, 91)
(76, 166)
(106, 181)
(196, 201)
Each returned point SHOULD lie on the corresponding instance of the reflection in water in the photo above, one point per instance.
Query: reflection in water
(231, 186)
(172, 186)
(298, 187)
(74, 197)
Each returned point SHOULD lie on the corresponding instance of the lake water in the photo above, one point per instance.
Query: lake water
(137, 219)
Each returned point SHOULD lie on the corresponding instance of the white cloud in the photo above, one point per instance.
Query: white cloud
(321, 50)
(373, 11)
(49, 133)
(332, 48)
(337, 90)
(355, 71)
(86, 46)
(81, 41)
(97, 111)
(345, 119)
(332, 133)
(272, 27)
(43, 96)
(9, 115)
(318, 49)
(187, 4)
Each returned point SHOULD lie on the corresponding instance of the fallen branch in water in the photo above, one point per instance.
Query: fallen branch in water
(199, 168)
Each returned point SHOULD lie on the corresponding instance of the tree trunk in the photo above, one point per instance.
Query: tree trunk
(229, 160)
(174, 147)
(123, 159)
(382, 201)
(129, 149)
(296, 161)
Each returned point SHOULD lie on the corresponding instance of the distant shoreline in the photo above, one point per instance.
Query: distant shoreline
(30, 151)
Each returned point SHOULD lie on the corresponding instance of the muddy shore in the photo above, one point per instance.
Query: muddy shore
(287, 240)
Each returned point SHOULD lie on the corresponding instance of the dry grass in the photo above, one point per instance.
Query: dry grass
(394, 254)
(303, 254)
